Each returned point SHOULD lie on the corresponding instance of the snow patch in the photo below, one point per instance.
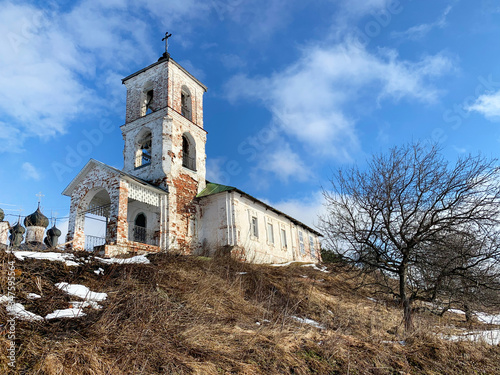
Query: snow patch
(308, 321)
(487, 318)
(33, 296)
(320, 269)
(81, 291)
(66, 258)
(281, 264)
(138, 259)
(456, 311)
(19, 312)
(490, 337)
(66, 313)
(99, 271)
(83, 304)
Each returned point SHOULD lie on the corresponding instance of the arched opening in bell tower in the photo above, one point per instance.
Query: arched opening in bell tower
(188, 152)
(143, 148)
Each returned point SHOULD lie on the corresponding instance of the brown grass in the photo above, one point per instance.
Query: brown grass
(193, 315)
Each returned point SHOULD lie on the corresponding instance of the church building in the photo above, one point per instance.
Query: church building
(160, 200)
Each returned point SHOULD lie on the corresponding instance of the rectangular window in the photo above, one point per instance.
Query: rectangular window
(301, 242)
(255, 227)
(270, 233)
(283, 239)
(311, 246)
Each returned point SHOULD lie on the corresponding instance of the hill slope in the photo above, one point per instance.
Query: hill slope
(192, 315)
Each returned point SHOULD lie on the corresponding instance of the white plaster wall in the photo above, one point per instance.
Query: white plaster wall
(210, 226)
(4, 232)
(226, 220)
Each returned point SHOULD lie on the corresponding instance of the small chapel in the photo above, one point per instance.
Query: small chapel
(160, 200)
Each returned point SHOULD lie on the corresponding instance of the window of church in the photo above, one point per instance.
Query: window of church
(270, 234)
(301, 242)
(188, 152)
(149, 102)
(186, 105)
(255, 227)
(284, 244)
(311, 246)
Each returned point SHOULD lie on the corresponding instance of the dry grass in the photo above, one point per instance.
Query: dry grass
(193, 315)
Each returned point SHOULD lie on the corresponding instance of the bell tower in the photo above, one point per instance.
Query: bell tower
(163, 130)
(165, 140)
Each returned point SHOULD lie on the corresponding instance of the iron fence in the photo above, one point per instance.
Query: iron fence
(143, 235)
(91, 242)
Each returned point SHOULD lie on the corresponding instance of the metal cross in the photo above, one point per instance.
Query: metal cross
(167, 35)
(40, 195)
(54, 217)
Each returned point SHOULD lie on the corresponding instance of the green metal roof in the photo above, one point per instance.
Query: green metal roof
(212, 189)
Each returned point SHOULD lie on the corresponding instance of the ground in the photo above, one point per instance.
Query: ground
(196, 315)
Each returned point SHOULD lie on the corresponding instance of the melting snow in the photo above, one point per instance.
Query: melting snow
(487, 318)
(138, 259)
(33, 296)
(99, 271)
(281, 264)
(61, 257)
(489, 337)
(320, 269)
(66, 313)
(20, 312)
(81, 291)
(81, 305)
(308, 321)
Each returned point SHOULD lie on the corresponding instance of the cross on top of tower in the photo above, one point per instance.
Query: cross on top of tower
(165, 38)
(39, 195)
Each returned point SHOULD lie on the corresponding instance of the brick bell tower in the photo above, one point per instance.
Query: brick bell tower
(165, 140)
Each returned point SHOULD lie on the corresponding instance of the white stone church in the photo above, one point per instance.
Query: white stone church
(161, 201)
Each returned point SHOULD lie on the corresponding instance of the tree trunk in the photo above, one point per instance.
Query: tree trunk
(405, 301)
(468, 313)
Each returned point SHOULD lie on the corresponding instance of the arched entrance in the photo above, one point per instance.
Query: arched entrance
(94, 217)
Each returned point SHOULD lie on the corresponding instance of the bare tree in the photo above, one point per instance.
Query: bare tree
(396, 216)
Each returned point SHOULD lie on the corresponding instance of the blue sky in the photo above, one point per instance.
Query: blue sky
(296, 89)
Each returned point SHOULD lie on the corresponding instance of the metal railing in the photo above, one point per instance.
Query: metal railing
(143, 235)
(189, 162)
(91, 242)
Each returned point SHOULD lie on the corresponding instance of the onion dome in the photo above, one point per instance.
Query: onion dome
(52, 237)
(2, 215)
(36, 219)
(54, 232)
(18, 228)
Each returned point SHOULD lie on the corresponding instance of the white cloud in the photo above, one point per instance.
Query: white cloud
(488, 105)
(50, 59)
(310, 99)
(307, 209)
(30, 172)
(285, 164)
(420, 31)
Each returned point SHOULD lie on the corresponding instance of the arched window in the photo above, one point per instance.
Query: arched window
(140, 233)
(143, 149)
(186, 105)
(188, 152)
(147, 102)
